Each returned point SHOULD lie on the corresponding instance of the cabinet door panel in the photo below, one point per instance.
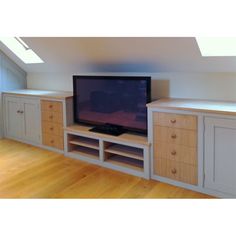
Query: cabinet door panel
(220, 155)
(14, 119)
(31, 125)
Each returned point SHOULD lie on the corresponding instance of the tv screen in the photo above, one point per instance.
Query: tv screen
(116, 100)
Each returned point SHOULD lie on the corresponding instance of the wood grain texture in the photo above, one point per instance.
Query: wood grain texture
(175, 120)
(55, 117)
(175, 136)
(175, 152)
(176, 170)
(30, 172)
(175, 147)
(53, 141)
(52, 124)
(52, 128)
(47, 105)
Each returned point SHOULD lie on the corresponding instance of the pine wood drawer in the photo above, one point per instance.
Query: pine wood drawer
(55, 117)
(175, 136)
(175, 152)
(176, 170)
(175, 120)
(51, 106)
(52, 128)
(53, 141)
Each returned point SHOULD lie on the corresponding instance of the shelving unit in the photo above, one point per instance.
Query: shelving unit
(85, 142)
(126, 162)
(127, 153)
(83, 146)
(88, 152)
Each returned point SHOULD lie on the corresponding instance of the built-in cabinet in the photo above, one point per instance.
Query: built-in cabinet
(22, 119)
(220, 155)
(11, 77)
(37, 117)
(175, 147)
(52, 124)
(189, 147)
(194, 145)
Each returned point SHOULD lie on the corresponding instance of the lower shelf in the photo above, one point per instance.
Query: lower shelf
(86, 152)
(126, 162)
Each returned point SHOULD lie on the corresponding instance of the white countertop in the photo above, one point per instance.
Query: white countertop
(41, 93)
(196, 105)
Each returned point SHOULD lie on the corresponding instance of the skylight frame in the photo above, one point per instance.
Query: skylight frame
(21, 50)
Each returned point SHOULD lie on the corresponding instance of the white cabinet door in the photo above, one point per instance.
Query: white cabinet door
(220, 155)
(32, 125)
(22, 119)
(13, 117)
(11, 77)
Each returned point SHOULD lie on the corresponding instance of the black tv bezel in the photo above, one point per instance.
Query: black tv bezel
(86, 122)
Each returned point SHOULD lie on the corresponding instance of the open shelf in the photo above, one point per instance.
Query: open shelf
(126, 162)
(85, 142)
(127, 151)
(85, 151)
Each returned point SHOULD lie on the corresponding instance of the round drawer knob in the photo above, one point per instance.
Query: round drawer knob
(51, 128)
(173, 136)
(173, 121)
(52, 141)
(51, 106)
(173, 153)
(51, 116)
(174, 171)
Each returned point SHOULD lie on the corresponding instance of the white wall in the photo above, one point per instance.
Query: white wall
(215, 86)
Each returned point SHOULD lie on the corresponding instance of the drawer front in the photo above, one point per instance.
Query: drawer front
(175, 152)
(175, 120)
(55, 117)
(175, 136)
(52, 128)
(51, 106)
(175, 170)
(53, 141)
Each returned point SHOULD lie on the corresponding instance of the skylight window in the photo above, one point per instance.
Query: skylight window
(217, 47)
(21, 50)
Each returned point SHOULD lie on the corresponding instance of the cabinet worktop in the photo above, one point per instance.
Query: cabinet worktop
(41, 93)
(195, 105)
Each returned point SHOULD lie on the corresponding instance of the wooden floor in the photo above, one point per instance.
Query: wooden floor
(31, 172)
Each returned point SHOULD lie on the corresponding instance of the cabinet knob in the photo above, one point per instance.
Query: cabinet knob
(18, 111)
(173, 153)
(50, 106)
(51, 128)
(50, 117)
(174, 171)
(52, 141)
(173, 136)
(173, 121)
(21, 112)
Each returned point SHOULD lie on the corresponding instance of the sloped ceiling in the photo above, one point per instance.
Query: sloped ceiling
(143, 55)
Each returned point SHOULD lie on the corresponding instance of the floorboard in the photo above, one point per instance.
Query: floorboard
(31, 172)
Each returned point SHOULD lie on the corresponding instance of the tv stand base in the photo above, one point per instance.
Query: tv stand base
(128, 153)
(110, 129)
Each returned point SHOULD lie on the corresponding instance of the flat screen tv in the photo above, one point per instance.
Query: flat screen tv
(112, 103)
